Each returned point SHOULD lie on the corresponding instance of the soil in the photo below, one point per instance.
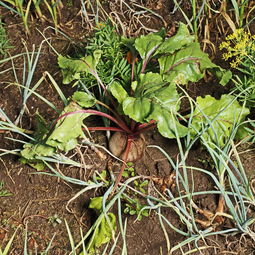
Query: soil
(38, 202)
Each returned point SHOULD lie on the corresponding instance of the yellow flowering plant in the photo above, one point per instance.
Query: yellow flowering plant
(239, 48)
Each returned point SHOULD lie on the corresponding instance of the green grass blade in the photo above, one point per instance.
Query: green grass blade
(8, 246)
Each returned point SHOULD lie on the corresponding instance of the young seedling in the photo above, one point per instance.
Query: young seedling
(4, 192)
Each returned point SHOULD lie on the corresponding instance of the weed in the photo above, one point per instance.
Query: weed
(55, 220)
(4, 192)
(240, 49)
(4, 42)
(134, 207)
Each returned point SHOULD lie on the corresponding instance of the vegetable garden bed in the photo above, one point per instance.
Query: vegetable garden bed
(127, 127)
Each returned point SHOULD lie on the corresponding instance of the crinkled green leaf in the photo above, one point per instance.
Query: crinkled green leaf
(149, 83)
(83, 99)
(184, 65)
(30, 153)
(73, 68)
(189, 64)
(147, 44)
(96, 203)
(137, 109)
(63, 137)
(68, 129)
(220, 114)
(222, 75)
(103, 232)
(155, 99)
(167, 123)
(118, 91)
(177, 41)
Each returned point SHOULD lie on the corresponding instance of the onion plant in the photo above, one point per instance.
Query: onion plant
(239, 10)
(7, 248)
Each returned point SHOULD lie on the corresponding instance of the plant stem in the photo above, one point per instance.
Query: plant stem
(180, 62)
(194, 14)
(111, 110)
(105, 129)
(241, 16)
(120, 123)
(141, 126)
(147, 58)
(133, 69)
(129, 142)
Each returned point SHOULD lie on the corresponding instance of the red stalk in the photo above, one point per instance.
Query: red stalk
(141, 126)
(120, 123)
(145, 129)
(106, 129)
(129, 141)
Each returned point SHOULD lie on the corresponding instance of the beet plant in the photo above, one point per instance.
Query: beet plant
(149, 98)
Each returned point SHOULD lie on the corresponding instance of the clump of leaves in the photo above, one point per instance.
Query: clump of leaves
(111, 64)
(148, 99)
(133, 205)
(132, 200)
(104, 231)
(4, 42)
(54, 220)
(129, 171)
(214, 120)
(240, 50)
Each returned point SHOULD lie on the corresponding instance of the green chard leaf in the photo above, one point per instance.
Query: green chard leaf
(83, 99)
(187, 64)
(31, 152)
(64, 135)
(73, 68)
(177, 41)
(104, 230)
(118, 91)
(137, 109)
(182, 60)
(147, 44)
(220, 114)
(68, 128)
(154, 99)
